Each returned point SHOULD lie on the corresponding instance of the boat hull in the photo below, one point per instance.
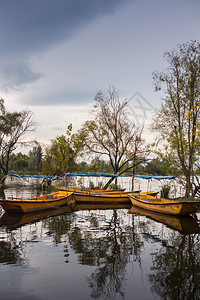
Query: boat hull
(164, 205)
(49, 201)
(103, 197)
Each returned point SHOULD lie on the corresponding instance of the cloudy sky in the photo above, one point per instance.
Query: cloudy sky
(55, 55)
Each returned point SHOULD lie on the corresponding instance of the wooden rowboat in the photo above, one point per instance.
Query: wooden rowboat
(97, 196)
(92, 196)
(40, 203)
(89, 191)
(166, 206)
(101, 197)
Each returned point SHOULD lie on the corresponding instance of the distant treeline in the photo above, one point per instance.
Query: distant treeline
(32, 163)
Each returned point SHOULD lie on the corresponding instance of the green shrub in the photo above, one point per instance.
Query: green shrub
(97, 187)
(165, 191)
(114, 186)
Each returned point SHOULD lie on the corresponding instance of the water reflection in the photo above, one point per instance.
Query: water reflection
(9, 254)
(24, 193)
(16, 220)
(111, 254)
(177, 270)
(184, 224)
(118, 247)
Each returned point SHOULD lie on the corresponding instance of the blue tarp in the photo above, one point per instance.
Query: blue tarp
(95, 175)
(31, 176)
(117, 175)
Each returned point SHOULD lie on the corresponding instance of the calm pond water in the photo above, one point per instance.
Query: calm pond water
(98, 252)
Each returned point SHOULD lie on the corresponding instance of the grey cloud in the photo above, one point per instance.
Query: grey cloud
(15, 75)
(29, 27)
(36, 24)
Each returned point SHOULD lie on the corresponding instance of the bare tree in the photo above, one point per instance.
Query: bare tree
(13, 126)
(111, 134)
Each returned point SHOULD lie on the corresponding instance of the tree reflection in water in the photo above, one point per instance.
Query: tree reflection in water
(108, 280)
(12, 249)
(110, 253)
(177, 269)
(8, 254)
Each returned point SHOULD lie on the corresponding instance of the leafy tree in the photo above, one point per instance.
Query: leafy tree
(13, 126)
(26, 163)
(59, 157)
(100, 166)
(19, 162)
(82, 167)
(162, 165)
(111, 134)
(35, 159)
(178, 119)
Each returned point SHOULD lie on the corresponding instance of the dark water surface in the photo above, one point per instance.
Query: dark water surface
(99, 253)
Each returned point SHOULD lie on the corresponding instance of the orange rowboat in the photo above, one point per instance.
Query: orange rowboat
(48, 201)
(98, 196)
(166, 206)
(101, 197)
(89, 191)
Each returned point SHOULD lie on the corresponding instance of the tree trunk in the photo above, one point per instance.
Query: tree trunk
(188, 185)
(108, 183)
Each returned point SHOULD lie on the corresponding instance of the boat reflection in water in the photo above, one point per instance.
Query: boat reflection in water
(184, 224)
(99, 206)
(14, 220)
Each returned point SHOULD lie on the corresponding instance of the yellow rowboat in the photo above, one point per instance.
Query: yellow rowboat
(161, 205)
(89, 191)
(48, 201)
(103, 197)
(183, 224)
(97, 196)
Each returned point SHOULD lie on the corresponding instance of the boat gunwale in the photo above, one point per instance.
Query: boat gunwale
(103, 193)
(36, 200)
(171, 201)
